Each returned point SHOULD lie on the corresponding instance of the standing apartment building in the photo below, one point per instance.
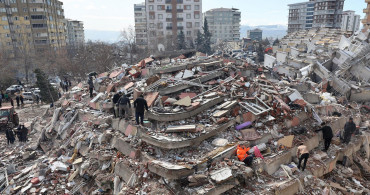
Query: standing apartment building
(255, 34)
(34, 25)
(350, 21)
(75, 33)
(165, 19)
(224, 24)
(315, 14)
(366, 20)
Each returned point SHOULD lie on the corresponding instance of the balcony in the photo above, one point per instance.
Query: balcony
(169, 27)
(168, 1)
(180, 28)
(180, 10)
(168, 10)
(168, 19)
(180, 19)
(180, 1)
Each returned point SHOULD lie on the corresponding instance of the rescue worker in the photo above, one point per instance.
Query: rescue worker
(91, 86)
(302, 154)
(242, 154)
(327, 134)
(140, 104)
(349, 129)
(115, 105)
(9, 135)
(124, 106)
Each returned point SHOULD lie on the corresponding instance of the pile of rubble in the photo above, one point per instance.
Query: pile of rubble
(201, 108)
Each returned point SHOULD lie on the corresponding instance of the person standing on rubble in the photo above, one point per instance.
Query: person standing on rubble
(17, 99)
(9, 135)
(327, 134)
(302, 153)
(115, 104)
(140, 104)
(349, 129)
(22, 132)
(91, 86)
(124, 106)
(242, 154)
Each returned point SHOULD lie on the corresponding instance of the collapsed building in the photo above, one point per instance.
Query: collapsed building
(201, 108)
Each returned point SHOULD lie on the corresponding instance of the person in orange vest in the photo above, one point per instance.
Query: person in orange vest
(242, 154)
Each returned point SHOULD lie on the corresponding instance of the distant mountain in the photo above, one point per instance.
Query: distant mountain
(105, 36)
(275, 31)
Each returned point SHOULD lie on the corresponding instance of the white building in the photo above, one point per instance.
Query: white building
(350, 21)
(224, 24)
(165, 19)
(141, 32)
(75, 33)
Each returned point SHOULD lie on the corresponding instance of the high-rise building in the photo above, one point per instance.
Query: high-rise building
(75, 33)
(366, 20)
(34, 25)
(164, 20)
(255, 34)
(315, 14)
(350, 21)
(224, 24)
(141, 31)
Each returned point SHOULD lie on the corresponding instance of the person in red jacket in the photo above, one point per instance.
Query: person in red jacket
(242, 154)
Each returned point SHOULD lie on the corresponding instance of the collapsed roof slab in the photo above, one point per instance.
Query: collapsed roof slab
(167, 117)
(167, 143)
(176, 88)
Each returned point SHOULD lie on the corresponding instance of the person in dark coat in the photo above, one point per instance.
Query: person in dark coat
(11, 102)
(140, 104)
(327, 134)
(22, 100)
(9, 135)
(124, 106)
(19, 133)
(22, 133)
(17, 99)
(91, 86)
(349, 129)
(115, 104)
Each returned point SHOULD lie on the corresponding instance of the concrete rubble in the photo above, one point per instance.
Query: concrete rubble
(201, 108)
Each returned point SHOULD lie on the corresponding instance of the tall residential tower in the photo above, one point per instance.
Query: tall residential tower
(224, 24)
(350, 21)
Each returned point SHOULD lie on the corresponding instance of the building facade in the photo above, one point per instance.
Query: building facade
(141, 31)
(165, 19)
(33, 25)
(350, 21)
(255, 34)
(75, 33)
(366, 20)
(224, 24)
(315, 14)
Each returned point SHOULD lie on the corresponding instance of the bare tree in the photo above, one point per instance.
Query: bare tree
(129, 50)
(7, 70)
(24, 50)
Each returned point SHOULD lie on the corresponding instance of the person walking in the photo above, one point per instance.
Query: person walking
(91, 86)
(22, 100)
(349, 129)
(140, 104)
(11, 102)
(124, 106)
(115, 104)
(37, 99)
(9, 135)
(302, 154)
(6, 96)
(17, 99)
(327, 134)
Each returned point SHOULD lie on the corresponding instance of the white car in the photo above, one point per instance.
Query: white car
(14, 88)
(27, 96)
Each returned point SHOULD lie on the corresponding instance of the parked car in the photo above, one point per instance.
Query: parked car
(27, 96)
(14, 88)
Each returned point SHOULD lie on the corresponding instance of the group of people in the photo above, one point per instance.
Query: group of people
(65, 85)
(122, 107)
(21, 133)
(303, 152)
(18, 97)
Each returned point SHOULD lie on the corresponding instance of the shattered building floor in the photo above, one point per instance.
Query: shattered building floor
(201, 108)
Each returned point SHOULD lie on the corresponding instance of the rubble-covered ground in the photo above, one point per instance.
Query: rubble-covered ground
(201, 108)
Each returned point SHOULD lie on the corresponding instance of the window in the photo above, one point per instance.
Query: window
(24, 1)
(26, 18)
(7, 35)
(25, 9)
(16, 18)
(188, 33)
(169, 15)
(4, 18)
(50, 17)
(14, 9)
(197, 24)
(151, 7)
(13, 1)
(169, 7)
(188, 25)
(196, 16)
(6, 27)
(160, 25)
(179, 6)
(160, 7)
(37, 17)
(151, 25)
(196, 7)
(160, 16)
(187, 7)
(34, 10)
(151, 16)
(188, 16)
(39, 25)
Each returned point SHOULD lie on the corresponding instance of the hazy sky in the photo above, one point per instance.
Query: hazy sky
(115, 15)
